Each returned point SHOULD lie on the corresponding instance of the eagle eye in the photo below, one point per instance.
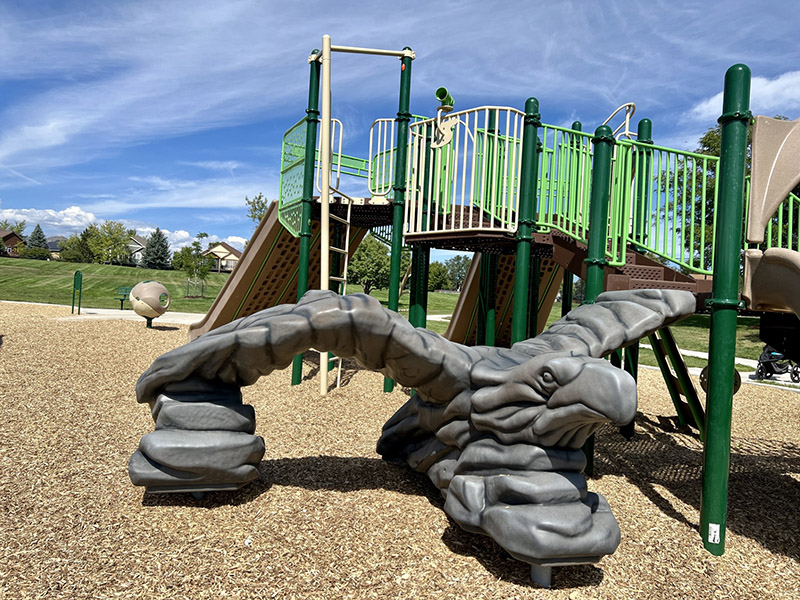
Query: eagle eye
(548, 377)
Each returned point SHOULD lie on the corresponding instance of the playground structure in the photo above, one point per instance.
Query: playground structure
(150, 300)
(539, 204)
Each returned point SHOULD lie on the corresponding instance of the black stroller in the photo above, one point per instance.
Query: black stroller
(771, 362)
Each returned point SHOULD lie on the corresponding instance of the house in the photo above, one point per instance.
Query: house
(136, 244)
(10, 239)
(225, 255)
(55, 244)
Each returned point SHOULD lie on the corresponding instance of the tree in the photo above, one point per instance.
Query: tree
(457, 268)
(257, 207)
(36, 245)
(18, 227)
(37, 238)
(76, 248)
(191, 260)
(369, 266)
(109, 242)
(438, 278)
(156, 251)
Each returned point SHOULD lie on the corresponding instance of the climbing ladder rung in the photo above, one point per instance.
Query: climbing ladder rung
(339, 279)
(339, 250)
(339, 219)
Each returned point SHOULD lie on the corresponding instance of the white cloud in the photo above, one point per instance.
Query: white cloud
(780, 95)
(53, 222)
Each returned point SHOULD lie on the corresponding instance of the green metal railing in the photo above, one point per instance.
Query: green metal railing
(564, 185)
(673, 195)
(292, 172)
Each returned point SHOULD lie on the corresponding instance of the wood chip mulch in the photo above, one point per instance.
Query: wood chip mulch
(328, 518)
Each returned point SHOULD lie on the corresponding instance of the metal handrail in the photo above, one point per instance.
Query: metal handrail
(463, 172)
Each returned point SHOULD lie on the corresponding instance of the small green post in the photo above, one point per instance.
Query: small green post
(77, 290)
(399, 189)
(527, 208)
(312, 123)
(724, 304)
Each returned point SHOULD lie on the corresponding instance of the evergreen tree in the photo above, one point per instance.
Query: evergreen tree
(156, 251)
(36, 245)
(36, 239)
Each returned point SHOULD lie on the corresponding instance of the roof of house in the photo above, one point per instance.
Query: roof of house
(228, 252)
(6, 234)
(137, 239)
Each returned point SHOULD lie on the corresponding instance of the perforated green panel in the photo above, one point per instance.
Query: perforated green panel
(293, 151)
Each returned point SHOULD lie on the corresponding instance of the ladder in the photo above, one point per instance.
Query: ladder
(681, 388)
(339, 254)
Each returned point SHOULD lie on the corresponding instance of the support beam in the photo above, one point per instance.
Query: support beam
(724, 304)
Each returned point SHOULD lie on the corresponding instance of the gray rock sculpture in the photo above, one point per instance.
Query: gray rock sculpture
(498, 431)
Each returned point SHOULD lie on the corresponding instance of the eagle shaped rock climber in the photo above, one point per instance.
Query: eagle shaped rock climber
(498, 431)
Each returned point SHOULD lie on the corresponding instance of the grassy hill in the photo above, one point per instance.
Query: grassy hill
(50, 282)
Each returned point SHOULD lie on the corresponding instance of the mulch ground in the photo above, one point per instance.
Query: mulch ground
(328, 518)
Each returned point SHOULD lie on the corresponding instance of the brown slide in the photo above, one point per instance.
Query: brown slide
(267, 273)
(465, 316)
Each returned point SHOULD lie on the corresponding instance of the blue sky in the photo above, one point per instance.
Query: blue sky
(169, 113)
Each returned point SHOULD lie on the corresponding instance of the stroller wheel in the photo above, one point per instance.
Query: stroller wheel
(760, 374)
(795, 374)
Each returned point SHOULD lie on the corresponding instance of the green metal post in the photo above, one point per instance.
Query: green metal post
(399, 189)
(527, 207)
(420, 256)
(568, 284)
(644, 134)
(566, 293)
(533, 296)
(312, 123)
(487, 301)
(418, 297)
(77, 289)
(603, 141)
(724, 304)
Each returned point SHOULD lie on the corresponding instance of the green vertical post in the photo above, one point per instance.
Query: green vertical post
(312, 123)
(421, 256)
(487, 300)
(533, 296)
(644, 134)
(566, 293)
(418, 297)
(399, 189)
(567, 287)
(77, 290)
(724, 304)
(603, 141)
(527, 208)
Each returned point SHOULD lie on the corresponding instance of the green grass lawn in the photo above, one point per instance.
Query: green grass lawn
(50, 282)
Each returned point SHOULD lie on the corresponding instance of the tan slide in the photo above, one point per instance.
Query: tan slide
(267, 273)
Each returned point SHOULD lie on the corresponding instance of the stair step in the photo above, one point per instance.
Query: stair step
(643, 284)
(643, 272)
